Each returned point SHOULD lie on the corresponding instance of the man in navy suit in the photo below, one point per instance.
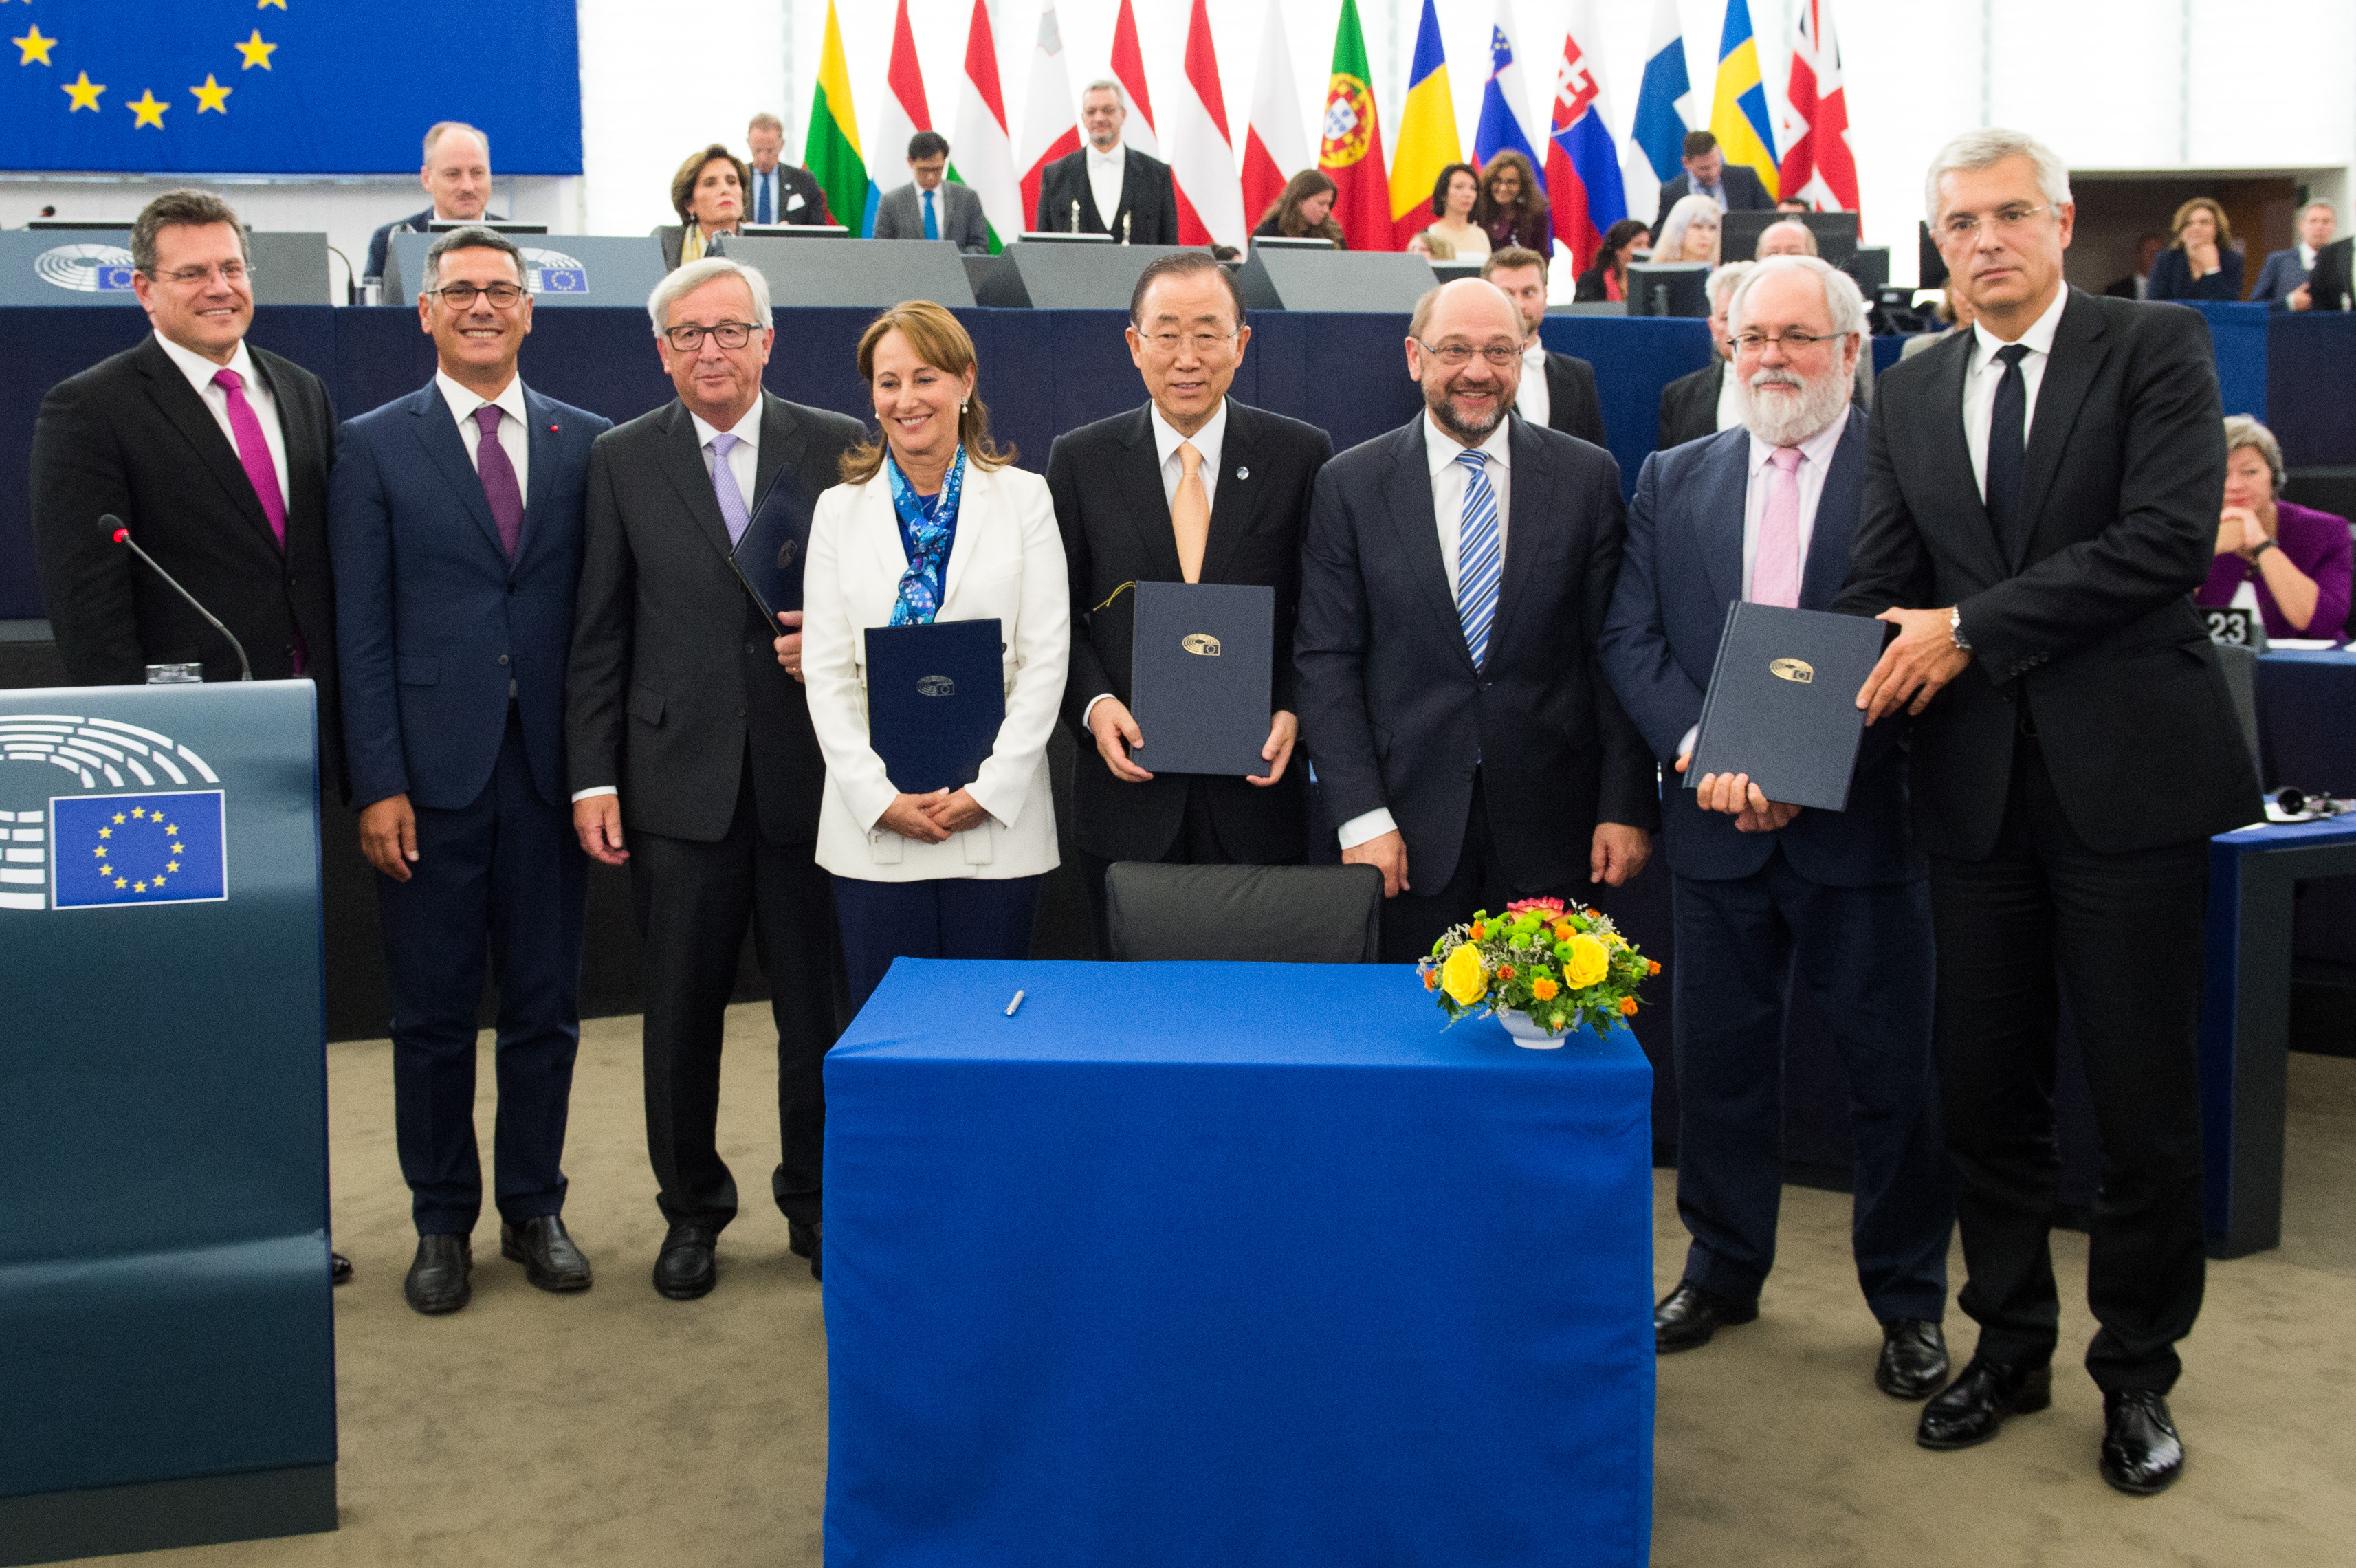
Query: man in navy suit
(457, 172)
(1764, 511)
(1734, 187)
(2282, 282)
(454, 518)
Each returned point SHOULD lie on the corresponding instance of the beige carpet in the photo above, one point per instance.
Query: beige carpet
(618, 1428)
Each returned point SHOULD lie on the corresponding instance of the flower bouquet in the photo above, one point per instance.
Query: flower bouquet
(1541, 968)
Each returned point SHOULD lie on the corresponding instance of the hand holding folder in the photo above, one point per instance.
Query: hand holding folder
(1781, 708)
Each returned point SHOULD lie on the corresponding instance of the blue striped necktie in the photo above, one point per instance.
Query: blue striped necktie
(1479, 557)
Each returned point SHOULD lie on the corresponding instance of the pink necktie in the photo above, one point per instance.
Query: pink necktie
(253, 451)
(1775, 568)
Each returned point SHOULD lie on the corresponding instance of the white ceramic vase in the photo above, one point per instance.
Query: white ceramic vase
(1528, 1032)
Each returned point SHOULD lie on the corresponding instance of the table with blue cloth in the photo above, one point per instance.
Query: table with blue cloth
(1231, 1264)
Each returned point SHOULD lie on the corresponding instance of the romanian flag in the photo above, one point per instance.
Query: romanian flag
(1427, 132)
(831, 152)
(1350, 149)
(1739, 116)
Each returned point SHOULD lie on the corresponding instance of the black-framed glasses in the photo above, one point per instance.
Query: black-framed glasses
(727, 333)
(462, 296)
(1455, 356)
(1791, 342)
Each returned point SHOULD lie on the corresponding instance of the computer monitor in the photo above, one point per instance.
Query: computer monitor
(1934, 273)
(1836, 233)
(1291, 242)
(1669, 288)
(497, 226)
(1868, 266)
(93, 225)
(1063, 237)
(795, 232)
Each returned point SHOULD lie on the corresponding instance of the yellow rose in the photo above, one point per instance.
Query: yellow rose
(1588, 961)
(1461, 975)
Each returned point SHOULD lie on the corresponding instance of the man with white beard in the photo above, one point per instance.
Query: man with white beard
(1765, 512)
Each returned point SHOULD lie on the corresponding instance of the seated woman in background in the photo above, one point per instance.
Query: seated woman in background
(1512, 209)
(1453, 236)
(931, 522)
(1303, 210)
(2202, 264)
(1608, 279)
(2295, 557)
(1690, 233)
(708, 194)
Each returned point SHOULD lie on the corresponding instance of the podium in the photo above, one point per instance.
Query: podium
(93, 266)
(1359, 281)
(1045, 275)
(826, 272)
(170, 1370)
(559, 269)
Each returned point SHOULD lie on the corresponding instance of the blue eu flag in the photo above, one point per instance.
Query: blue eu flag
(280, 86)
(137, 849)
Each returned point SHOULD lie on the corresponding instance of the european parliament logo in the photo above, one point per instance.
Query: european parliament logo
(547, 272)
(155, 836)
(137, 849)
(85, 269)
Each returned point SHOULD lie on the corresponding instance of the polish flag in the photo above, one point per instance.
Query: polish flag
(903, 114)
(1202, 158)
(1049, 130)
(1274, 148)
(1129, 70)
(1818, 166)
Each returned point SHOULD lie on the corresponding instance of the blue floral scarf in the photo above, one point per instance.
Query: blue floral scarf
(927, 532)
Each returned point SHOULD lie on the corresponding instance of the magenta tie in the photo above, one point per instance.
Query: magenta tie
(253, 451)
(499, 487)
(1775, 568)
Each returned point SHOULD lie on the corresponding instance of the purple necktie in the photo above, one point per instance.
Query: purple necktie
(253, 451)
(499, 487)
(724, 488)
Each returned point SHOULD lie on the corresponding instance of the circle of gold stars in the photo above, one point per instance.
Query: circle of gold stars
(35, 48)
(126, 880)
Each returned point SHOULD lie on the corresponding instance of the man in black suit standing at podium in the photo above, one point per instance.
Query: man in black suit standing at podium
(685, 728)
(1234, 483)
(2040, 501)
(1108, 188)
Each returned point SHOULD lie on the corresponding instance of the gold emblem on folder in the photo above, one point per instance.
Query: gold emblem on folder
(1799, 670)
(1201, 643)
(935, 686)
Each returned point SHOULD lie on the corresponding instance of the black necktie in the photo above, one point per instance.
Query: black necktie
(2006, 449)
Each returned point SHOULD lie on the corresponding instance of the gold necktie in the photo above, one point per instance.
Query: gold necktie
(1189, 513)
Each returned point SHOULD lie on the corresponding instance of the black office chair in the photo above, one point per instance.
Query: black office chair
(1270, 915)
(2241, 682)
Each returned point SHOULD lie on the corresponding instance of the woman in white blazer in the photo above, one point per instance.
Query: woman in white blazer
(931, 523)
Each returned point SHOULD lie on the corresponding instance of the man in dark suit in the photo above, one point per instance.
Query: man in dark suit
(2135, 283)
(1735, 187)
(215, 455)
(1557, 390)
(458, 174)
(2284, 275)
(2040, 501)
(1763, 891)
(1106, 187)
(677, 697)
(931, 206)
(455, 516)
(2329, 285)
(1234, 483)
(1700, 403)
(779, 192)
(1465, 740)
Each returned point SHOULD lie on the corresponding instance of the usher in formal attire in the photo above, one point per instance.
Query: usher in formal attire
(1123, 193)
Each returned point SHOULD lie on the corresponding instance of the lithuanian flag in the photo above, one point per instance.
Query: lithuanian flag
(831, 152)
(1739, 115)
(1427, 132)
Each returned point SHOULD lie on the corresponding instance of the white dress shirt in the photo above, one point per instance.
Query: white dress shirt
(1986, 370)
(201, 371)
(515, 433)
(2305, 257)
(1209, 441)
(1106, 171)
(1729, 416)
(1448, 481)
(1535, 402)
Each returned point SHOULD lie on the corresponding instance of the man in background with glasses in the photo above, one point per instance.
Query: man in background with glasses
(1193, 487)
(1762, 893)
(455, 518)
(1455, 581)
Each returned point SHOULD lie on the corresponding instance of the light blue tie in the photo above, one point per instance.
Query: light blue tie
(1479, 557)
(723, 484)
(932, 224)
(764, 185)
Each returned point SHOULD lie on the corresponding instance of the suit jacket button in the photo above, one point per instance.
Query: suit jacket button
(511, 588)
(740, 713)
(752, 647)
(503, 658)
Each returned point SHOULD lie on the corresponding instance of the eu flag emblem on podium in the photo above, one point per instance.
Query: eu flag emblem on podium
(137, 849)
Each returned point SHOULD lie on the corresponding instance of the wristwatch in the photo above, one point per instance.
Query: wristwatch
(2257, 549)
(1956, 629)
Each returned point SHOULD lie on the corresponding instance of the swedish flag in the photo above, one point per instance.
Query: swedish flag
(1739, 116)
(137, 849)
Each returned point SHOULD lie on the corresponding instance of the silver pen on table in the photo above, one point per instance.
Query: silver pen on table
(1014, 1004)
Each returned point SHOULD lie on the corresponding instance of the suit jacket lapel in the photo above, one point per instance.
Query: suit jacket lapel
(543, 427)
(2078, 353)
(305, 474)
(438, 433)
(784, 447)
(1723, 512)
(1138, 477)
(1240, 490)
(683, 461)
(183, 406)
(1835, 528)
(1949, 469)
(1528, 519)
(1407, 493)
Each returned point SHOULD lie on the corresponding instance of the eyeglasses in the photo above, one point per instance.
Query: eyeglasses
(727, 333)
(1791, 342)
(192, 277)
(1455, 356)
(1167, 344)
(1966, 225)
(462, 296)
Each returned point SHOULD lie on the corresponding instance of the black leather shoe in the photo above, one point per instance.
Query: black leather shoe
(1913, 1359)
(685, 1270)
(2141, 1451)
(437, 1281)
(549, 1259)
(1690, 1314)
(805, 1241)
(340, 1269)
(1972, 1409)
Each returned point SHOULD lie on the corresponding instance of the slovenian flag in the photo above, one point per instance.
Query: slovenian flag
(1500, 129)
(1583, 184)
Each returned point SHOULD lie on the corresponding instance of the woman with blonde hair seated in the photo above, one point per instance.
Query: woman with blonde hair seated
(931, 523)
(2202, 264)
(1690, 233)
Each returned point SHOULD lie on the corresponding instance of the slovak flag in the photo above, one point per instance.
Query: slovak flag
(1583, 164)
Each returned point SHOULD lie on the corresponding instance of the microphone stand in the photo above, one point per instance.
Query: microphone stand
(122, 536)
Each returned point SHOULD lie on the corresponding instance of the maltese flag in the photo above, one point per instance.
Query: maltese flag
(1049, 130)
(1275, 148)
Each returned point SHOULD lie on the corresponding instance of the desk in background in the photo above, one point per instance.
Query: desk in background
(1232, 1264)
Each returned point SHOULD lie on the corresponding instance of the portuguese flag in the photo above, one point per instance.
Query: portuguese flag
(1351, 154)
(830, 151)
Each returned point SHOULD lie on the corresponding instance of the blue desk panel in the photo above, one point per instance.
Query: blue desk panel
(1235, 1264)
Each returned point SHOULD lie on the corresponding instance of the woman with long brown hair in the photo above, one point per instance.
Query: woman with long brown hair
(1608, 278)
(1303, 209)
(2202, 264)
(1512, 207)
(708, 194)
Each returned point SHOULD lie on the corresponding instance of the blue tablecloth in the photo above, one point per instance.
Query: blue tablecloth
(1193, 1263)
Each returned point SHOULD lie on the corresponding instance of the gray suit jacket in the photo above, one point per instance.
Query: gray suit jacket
(899, 216)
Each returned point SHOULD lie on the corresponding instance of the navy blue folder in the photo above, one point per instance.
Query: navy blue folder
(768, 557)
(1781, 704)
(1200, 660)
(936, 697)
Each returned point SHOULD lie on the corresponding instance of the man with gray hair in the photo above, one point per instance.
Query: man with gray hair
(456, 173)
(1702, 403)
(1106, 187)
(692, 759)
(2041, 497)
(2282, 282)
(1789, 237)
(1765, 513)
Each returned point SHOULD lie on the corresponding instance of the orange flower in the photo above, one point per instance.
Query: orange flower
(1653, 967)
(1478, 931)
(1628, 1006)
(1431, 979)
(1504, 971)
(1544, 989)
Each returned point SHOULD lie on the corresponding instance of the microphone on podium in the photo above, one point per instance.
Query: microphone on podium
(122, 536)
